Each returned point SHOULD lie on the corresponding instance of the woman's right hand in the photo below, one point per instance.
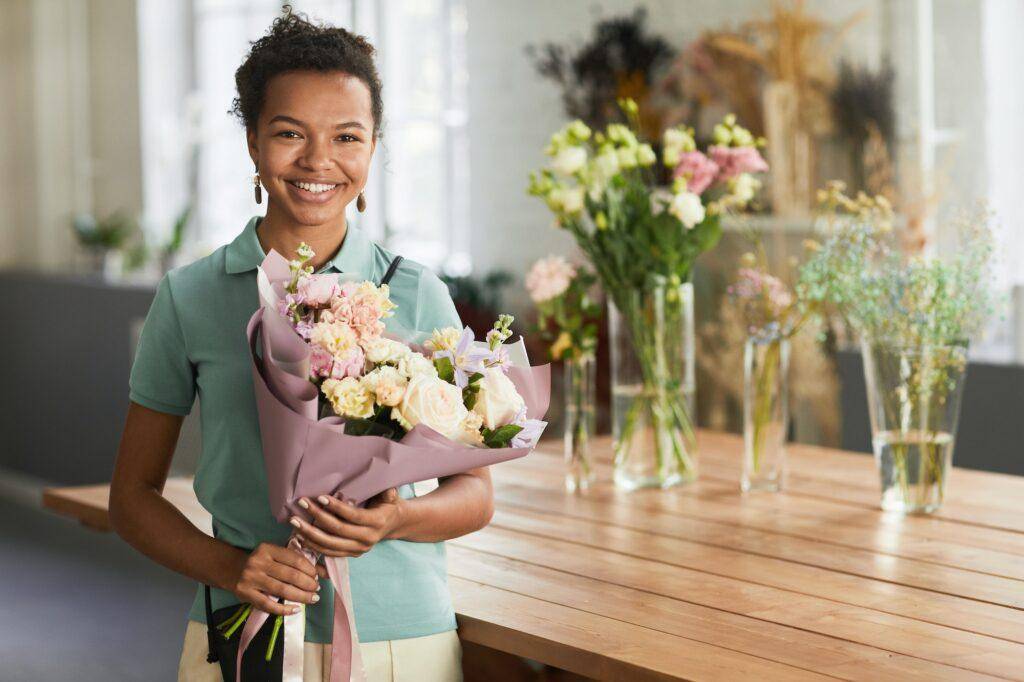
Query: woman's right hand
(272, 571)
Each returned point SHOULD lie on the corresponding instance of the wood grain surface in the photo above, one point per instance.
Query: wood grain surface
(702, 582)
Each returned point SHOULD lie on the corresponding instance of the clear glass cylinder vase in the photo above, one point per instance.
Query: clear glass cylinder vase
(653, 386)
(765, 413)
(914, 405)
(579, 421)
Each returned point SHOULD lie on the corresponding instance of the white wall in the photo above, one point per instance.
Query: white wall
(513, 111)
(71, 138)
(17, 163)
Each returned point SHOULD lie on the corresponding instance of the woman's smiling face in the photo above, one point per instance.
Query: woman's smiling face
(313, 144)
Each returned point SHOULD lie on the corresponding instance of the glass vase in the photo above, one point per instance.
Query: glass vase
(653, 386)
(579, 421)
(765, 413)
(914, 404)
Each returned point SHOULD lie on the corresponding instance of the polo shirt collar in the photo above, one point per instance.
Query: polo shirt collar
(355, 255)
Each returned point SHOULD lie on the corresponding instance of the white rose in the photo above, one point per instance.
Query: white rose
(569, 160)
(433, 402)
(497, 401)
(387, 383)
(688, 208)
(380, 350)
(349, 397)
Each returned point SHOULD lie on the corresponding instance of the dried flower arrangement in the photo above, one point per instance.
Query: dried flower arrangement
(621, 60)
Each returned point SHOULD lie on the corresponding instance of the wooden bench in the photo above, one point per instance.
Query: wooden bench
(701, 582)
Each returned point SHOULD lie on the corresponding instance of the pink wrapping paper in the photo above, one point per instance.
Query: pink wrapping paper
(307, 457)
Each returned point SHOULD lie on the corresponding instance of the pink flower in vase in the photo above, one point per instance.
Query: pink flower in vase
(698, 169)
(733, 161)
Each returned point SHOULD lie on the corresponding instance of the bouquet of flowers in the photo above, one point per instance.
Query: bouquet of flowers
(642, 240)
(346, 409)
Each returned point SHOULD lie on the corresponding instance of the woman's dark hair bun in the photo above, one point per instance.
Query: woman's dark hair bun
(294, 43)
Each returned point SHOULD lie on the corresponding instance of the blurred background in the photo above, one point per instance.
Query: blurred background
(119, 160)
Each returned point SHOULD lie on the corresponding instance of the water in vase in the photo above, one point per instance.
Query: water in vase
(913, 466)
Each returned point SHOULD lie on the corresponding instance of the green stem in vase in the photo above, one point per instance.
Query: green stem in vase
(668, 412)
(763, 403)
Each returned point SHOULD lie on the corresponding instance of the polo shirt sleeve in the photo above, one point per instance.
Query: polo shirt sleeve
(162, 376)
(434, 306)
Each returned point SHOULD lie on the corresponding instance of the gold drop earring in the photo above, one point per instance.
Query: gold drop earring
(257, 186)
(361, 203)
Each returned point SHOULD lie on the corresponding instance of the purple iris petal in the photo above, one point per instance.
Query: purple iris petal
(532, 429)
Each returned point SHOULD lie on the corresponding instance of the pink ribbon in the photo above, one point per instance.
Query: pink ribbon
(346, 658)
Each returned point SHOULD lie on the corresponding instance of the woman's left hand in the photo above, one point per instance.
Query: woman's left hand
(341, 529)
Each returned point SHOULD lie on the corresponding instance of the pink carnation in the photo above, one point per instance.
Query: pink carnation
(733, 161)
(318, 290)
(351, 365)
(698, 170)
(320, 362)
(362, 308)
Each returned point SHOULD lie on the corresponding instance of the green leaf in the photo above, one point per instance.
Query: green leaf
(500, 437)
(445, 369)
(470, 395)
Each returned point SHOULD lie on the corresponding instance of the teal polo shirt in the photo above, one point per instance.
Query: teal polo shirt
(193, 342)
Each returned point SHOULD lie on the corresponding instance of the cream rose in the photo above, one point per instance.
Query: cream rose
(497, 402)
(349, 397)
(434, 402)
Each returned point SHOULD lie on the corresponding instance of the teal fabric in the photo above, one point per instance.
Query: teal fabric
(193, 343)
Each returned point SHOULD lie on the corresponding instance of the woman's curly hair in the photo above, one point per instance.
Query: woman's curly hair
(293, 43)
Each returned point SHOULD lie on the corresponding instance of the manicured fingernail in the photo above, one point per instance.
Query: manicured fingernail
(295, 609)
(303, 503)
(318, 587)
(323, 499)
(296, 522)
(316, 598)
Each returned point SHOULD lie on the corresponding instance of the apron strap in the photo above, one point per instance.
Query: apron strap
(212, 656)
(391, 270)
(210, 630)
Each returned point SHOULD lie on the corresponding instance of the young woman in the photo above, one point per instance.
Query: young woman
(310, 99)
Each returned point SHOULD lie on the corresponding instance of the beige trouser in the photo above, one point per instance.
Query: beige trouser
(434, 658)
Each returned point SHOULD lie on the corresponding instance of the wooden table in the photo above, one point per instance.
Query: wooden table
(701, 582)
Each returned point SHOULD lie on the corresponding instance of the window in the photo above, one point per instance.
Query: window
(417, 193)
